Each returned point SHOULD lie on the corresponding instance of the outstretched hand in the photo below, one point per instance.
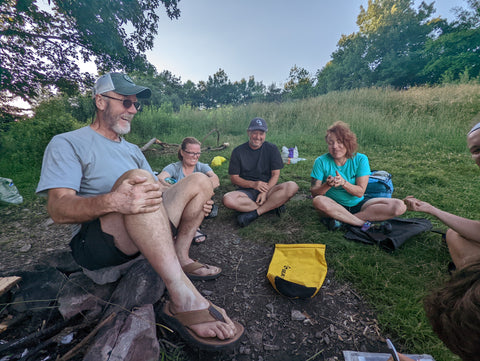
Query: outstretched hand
(416, 205)
(135, 195)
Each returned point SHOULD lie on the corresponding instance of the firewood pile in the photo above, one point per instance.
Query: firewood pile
(56, 312)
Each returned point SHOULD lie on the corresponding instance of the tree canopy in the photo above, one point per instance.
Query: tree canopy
(400, 46)
(42, 43)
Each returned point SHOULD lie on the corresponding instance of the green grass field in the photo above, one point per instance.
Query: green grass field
(417, 135)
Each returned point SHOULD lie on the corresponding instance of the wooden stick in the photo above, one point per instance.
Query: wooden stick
(87, 338)
(33, 338)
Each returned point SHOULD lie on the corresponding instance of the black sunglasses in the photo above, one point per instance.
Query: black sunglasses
(127, 103)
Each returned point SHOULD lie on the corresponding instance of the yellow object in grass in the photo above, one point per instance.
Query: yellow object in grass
(217, 161)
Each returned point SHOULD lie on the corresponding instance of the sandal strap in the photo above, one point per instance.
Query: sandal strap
(190, 318)
(192, 267)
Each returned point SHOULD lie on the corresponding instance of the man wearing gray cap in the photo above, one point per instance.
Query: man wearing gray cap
(104, 186)
(255, 168)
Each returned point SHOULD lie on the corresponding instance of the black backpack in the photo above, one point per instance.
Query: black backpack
(390, 239)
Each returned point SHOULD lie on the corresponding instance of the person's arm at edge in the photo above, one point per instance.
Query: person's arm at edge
(468, 228)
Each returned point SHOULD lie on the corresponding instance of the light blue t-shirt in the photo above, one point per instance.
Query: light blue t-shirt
(176, 170)
(354, 167)
(87, 162)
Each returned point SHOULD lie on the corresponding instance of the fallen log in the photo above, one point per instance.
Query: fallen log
(172, 147)
(149, 143)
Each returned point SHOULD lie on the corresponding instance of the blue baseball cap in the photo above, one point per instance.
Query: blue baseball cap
(258, 124)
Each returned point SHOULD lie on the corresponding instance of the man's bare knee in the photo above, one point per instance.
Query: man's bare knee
(231, 200)
(134, 173)
(292, 188)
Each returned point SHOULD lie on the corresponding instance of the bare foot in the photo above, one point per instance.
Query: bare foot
(200, 237)
(219, 329)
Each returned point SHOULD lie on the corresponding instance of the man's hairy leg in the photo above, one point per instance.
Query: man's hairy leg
(150, 234)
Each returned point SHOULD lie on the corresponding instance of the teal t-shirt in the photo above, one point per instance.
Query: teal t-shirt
(354, 167)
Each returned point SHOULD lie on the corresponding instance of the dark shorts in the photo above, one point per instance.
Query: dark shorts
(94, 249)
(356, 208)
(250, 192)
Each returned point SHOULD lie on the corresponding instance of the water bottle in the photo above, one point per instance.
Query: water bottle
(170, 180)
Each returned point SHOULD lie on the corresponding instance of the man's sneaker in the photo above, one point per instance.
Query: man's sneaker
(280, 210)
(244, 219)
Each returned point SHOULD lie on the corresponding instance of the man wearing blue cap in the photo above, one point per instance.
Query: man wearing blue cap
(104, 186)
(255, 169)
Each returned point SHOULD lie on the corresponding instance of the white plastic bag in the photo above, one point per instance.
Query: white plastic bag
(290, 155)
(8, 192)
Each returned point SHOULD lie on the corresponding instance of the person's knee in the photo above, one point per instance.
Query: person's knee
(451, 236)
(129, 174)
(399, 207)
(292, 188)
(200, 182)
(320, 203)
(228, 200)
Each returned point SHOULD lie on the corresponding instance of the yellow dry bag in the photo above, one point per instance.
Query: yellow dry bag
(298, 270)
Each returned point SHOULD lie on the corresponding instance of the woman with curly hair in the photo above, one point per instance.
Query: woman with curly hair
(339, 180)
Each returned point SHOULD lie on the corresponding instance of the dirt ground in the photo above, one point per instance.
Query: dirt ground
(276, 328)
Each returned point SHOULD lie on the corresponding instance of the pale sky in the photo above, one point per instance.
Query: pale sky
(263, 38)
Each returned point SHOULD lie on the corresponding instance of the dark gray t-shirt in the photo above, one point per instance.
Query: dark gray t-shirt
(255, 164)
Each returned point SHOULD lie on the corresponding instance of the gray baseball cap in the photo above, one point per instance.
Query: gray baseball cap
(120, 83)
(258, 124)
